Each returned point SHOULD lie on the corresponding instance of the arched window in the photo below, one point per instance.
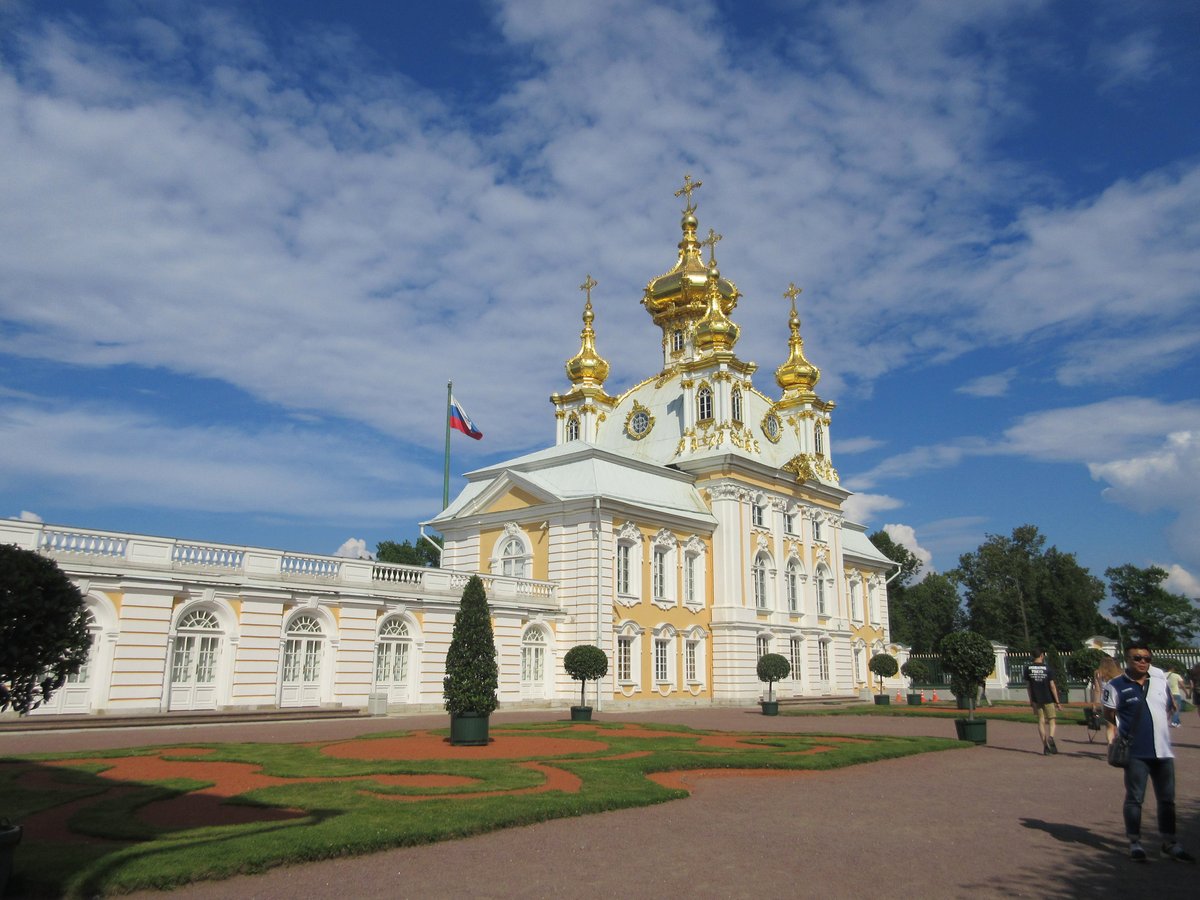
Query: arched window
(736, 404)
(533, 661)
(392, 654)
(512, 558)
(573, 428)
(793, 586)
(759, 573)
(302, 653)
(704, 404)
(194, 660)
(819, 440)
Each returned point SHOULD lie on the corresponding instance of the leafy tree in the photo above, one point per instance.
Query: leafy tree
(422, 553)
(1082, 664)
(1150, 612)
(1019, 594)
(584, 663)
(884, 665)
(897, 553)
(926, 612)
(43, 629)
(771, 668)
(969, 658)
(472, 676)
(915, 670)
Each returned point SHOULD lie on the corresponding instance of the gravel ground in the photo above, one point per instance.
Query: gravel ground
(1000, 820)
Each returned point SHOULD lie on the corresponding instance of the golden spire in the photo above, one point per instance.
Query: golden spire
(688, 187)
(715, 332)
(797, 374)
(587, 366)
(711, 243)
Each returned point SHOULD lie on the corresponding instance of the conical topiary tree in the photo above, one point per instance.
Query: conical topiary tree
(471, 673)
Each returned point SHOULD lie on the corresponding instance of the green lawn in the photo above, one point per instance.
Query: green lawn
(1004, 711)
(356, 814)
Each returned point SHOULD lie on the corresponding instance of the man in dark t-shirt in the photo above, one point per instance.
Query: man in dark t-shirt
(1043, 697)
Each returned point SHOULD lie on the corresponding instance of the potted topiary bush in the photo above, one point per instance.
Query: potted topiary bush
(970, 659)
(584, 663)
(884, 666)
(916, 672)
(771, 668)
(43, 638)
(469, 688)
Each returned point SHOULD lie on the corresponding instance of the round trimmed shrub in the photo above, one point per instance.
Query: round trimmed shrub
(584, 663)
(771, 668)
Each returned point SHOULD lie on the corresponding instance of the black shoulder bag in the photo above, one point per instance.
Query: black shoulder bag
(1122, 744)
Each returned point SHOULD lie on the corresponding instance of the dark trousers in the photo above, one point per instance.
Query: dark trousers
(1161, 772)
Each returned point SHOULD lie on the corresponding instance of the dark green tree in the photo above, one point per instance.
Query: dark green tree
(926, 612)
(584, 663)
(1021, 595)
(772, 667)
(897, 553)
(472, 676)
(1150, 612)
(969, 658)
(43, 629)
(884, 665)
(422, 553)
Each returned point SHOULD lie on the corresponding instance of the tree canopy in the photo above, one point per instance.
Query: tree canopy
(43, 629)
(922, 613)
(422, 553)
(1021, 595)
(1147, 610)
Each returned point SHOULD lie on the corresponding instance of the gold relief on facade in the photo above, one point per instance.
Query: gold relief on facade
(805, 466)
(639, 422)
(772, 428)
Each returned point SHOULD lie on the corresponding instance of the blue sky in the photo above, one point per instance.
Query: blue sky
(244, 246)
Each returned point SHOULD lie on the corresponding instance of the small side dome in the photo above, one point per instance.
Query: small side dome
(587, 366)
(715, 332)
(797, 375)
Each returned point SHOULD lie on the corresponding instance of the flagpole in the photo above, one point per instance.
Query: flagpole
(446, 461)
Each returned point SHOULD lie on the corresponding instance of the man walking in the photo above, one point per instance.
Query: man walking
(1140, 704)
(1043, 697)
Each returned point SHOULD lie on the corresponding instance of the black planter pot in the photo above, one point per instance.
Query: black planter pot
(581, 714)
(882, 700)
(469, 729)
(914, 700)
(769, 707)
(973, 730)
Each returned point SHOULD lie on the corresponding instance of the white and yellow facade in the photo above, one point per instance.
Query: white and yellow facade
(685, 526)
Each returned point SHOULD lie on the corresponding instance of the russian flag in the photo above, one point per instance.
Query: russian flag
(461, 421)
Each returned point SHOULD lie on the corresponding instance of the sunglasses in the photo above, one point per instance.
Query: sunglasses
(1139, 658)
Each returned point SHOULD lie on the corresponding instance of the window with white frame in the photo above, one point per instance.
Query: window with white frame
(793, 586)
(819, 441)
(533, 660)
(85, 671)
(690, 653)
(822, 599)
(677, 340)
(662, 648)
(628, 561)
(796, 657)
(659, 573)
(512, 558)
(704, 404)
(625, 658)
(624, 552)
(759, 573)
(758, 512)
(573, 428)
(302, 650)
(195, 655)
(690, 564)
(823, 660)
(736, 404)
(855, 599)
(816, 526)
(764, 645)
(693, 571)
(789, 522)
(873, 601)
(392, 652)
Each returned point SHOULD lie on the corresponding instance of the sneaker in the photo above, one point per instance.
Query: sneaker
(1136, 851)
(1176, 852)
(1051, 746)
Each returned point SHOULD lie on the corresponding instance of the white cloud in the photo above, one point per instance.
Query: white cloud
(848, 446)
(988, 385)
(27, 516)
(865, 508)
(1134, 58)
(1181, 581)
(1118, 359)
(906, 536)
(354, 548)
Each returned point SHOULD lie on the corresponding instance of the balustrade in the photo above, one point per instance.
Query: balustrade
(207, 557)
(83, 543)
(311, 566)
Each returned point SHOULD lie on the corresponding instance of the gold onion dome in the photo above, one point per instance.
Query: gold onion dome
(587, 366)
(797, 374)
(715, 332)
(680, 296)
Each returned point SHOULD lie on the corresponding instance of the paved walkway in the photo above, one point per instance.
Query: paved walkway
(994, 821)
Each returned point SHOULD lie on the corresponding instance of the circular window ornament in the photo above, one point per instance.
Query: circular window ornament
(639, 422)
(772, 427)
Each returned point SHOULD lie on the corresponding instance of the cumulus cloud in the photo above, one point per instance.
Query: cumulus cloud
(1181, 581)
(354, 548)
(27, 516)
(865, 508)
(995, 385)
(906, 536)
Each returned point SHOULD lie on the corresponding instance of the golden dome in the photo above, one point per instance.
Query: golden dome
(797, 374)
(715, 332)
(587, 366)
(680, 296)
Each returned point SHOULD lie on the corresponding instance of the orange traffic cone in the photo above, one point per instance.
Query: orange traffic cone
(899, 696)
(935, 697)
(922, 696)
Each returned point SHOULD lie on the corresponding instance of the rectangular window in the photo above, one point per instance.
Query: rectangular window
(823, 660)
(312, 660)
(206, 661)
(623, 551)
(689, 661)
(689, 578)
(793, 590)
(764, 645)
(817, 530)
(625, 659)
(660, 573)
(796, 657)
(821, 611)
(757, 514)
(760, 586)
(291, 660)
(182, 663)
(854, 610)
(660, 661)
(789, 523)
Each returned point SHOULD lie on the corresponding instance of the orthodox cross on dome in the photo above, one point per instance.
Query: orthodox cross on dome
(711, 243)
(588, 284)
(792, 293)
(688, 187)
